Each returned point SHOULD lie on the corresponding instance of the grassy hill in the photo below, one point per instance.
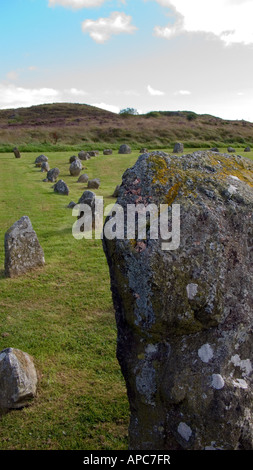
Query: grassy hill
(67, 126)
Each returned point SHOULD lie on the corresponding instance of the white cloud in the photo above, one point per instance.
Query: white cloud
(12, 96)
(153, 92)
(76, 4)
(76, 92)
(102, 29)
(107, 107)
(183, 92)
(230, 20)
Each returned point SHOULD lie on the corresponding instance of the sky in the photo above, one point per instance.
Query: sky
(150, 55)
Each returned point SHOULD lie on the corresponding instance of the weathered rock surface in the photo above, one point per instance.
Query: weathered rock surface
(185, 316)
(53, 174)
(94, 183)
(40, 159)
(124, 149)
(18, 379)
(178, 148)
(16, 152)
(61, 188)
(23, 252)
(116, 191)
(75, 167)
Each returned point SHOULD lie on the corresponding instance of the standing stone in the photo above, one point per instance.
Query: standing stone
(230, 149)
(18, 379)
(75, 168)
(53, 174)
(40, 159)
(88, 198)
(247, 149)
(44, 167)
(93, 153)
(16, 152)
(214, 149)
(83, 155)
(94, 184)
(143, 150)
(124, 149)
(184, 313)
(178, 148)
(23, 252)
(107, 151)
(83, 178)
(73, 158)
(61, 188)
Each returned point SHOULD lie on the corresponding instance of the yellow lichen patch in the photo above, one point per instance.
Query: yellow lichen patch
(160, 169)
(172, 193)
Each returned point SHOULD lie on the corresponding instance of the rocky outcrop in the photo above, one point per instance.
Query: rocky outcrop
(185, 315)
(18, 379)
(23, 252)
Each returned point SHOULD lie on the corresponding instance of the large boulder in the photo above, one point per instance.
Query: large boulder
(23, 252)
(124, 148)
(18, 379)
(61, 188)
(75, 167)
(184, 311)
(53, 174)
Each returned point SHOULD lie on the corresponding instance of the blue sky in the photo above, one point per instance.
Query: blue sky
(147, 54)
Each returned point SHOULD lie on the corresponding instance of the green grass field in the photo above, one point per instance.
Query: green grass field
(62, 314)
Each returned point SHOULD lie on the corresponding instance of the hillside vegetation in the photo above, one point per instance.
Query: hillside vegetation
(73, 126)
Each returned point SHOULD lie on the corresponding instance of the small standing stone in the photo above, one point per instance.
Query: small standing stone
(18, 379)
(75, 167)
(73, 158)
(23, 252)
(61, 188)
(178, 148)
(83, 155)
(124, 149)
(16, 152)
(53, 174)
(94, 184)
(40, 159)
(247, 149)
(231, 149)
(45, 167)
(83, 178)
(107, 151)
